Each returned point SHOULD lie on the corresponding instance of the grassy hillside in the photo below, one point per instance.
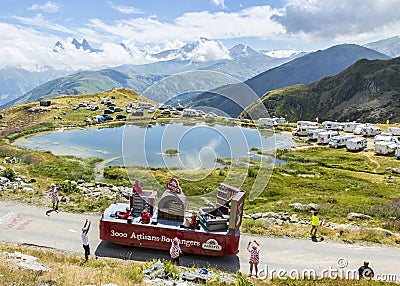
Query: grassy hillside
(86, 82)
(367, 91)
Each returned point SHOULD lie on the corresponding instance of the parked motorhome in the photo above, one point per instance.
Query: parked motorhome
(313, 133)
(145, 105)
(303, 123)
(350, 126)
(370, 131)
(357, 130)
(269, 122)
(325, 137)
(303, 131)
(356, 144)
(340, 140)
(385, 137)
(385, 148)
(190, 112)
(395, 131)
(303, 127)
(332, 125)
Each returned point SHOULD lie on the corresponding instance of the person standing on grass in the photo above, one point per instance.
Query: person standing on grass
(175, 251)
(254, 249)
(314, 225)
(85, 238)
(54, 196)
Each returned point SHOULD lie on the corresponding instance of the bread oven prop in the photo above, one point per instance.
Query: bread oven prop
(172, 203)
(228, 211)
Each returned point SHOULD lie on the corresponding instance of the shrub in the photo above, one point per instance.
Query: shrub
(9, 173)
(252, 173)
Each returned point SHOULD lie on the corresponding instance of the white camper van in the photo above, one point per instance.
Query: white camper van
(325, 137)
(350, 126)
(313, 133)
(269, 122)
(385, 148)
(303, 127)
(395, 131)
(385, 137)
(332, 125)
(357, 130)
(370, 130)
(340, 141)
(356, 144)
(190, 112)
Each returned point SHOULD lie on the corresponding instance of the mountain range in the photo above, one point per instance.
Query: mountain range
(390, 46)
(304, 70)
(368, 91)
(241, 62)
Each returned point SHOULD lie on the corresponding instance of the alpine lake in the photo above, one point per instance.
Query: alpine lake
(174, 145)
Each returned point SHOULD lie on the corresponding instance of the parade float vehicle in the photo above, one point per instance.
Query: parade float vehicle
(216, 232)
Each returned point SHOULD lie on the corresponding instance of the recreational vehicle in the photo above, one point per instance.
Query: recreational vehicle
(340, 141)
(370, 131)
(385, 148)
(269, 122)
(313, 133)
(385, 137)
(306, 123)
(145, 105)
(325, 137)
(395, 131)
(332, 125)
(358, 129)
(303, 127)
(190, 112)
(350, 126)
(356, 144)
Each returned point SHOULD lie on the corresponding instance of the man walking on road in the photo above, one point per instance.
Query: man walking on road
(54, 196)
(314, 225)
(85, 238)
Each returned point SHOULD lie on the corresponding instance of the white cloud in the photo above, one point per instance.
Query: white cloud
(219, 3)
(207, 50)
(48, 7)
(40, 22)
(339, 20)
(125, 9)
(251, 22)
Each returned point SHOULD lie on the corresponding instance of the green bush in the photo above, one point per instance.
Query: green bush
(9, 173)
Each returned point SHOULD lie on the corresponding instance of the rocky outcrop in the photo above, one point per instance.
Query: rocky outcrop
(357, 216)
(25, 261)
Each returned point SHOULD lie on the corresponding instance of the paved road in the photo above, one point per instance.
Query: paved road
(30, 225)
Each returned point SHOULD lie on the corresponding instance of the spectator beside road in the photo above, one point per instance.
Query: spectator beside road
(314, 225)
(85, 238)
(365, 271)
(254, 249)
(175, 251)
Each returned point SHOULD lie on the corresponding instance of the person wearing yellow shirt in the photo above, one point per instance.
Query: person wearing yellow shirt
(314, 225)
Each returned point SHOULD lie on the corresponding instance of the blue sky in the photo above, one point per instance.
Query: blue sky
(32, 27)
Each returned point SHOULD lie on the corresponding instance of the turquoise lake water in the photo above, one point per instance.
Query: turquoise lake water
(132, 145)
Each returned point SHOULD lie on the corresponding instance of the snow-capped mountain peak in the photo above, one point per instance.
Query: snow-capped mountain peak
(281, 53)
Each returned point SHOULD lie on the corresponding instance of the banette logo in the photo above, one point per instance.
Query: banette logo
(211, 244)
